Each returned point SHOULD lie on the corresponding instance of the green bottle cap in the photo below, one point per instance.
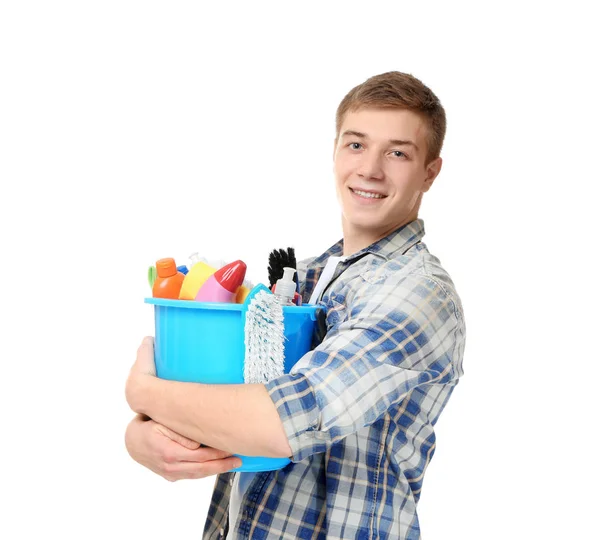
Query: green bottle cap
(151, 275)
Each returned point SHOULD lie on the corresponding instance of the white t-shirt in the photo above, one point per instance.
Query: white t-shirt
(241, 480)
(325, 278)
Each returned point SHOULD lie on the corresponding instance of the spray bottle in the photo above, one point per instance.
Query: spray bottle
(285, 288)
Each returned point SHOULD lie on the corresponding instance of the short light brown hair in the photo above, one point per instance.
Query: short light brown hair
(395, 90)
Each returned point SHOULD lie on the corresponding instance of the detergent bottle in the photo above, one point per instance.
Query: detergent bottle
(168, 281)
(222, 286)
(195, 278)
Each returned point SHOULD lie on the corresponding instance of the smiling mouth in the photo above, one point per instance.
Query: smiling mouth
(367, 194)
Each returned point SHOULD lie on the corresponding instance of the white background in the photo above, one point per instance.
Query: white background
(132, 131)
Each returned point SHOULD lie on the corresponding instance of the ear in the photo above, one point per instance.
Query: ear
(432, 170)
(334, 149)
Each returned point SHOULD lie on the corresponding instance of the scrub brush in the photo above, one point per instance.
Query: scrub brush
(263, 336)
(278, 260)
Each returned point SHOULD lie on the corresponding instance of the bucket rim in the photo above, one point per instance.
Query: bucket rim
(224, 306)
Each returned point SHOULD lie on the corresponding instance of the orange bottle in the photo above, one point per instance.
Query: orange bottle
(168, 281)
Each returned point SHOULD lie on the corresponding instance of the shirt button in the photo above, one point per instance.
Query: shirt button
(231, 481)
(221, 531)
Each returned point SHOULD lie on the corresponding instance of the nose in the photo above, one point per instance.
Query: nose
(370, 167)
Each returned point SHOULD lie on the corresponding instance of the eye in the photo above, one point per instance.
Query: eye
(397, 153)
(355, 145)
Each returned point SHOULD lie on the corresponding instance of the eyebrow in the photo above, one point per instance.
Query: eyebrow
(398, 142)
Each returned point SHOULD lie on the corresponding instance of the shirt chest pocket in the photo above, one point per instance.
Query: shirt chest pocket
(375, 271)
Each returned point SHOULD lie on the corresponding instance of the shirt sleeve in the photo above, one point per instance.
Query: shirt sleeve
(390, 340)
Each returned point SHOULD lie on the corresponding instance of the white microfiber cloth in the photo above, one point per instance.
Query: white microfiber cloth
(264, 338)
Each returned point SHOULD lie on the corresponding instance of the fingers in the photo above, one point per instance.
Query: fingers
(180, 448)
(173, 453)
(187, 470)
(148, 341)
(153, 446)
(144, 362)
(206, 453)
(146, 347)
(176, 437)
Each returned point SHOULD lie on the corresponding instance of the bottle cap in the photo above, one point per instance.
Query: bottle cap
(194, 258)
(231, 276)
(151, 275)
(286, 285)
(183, 269)
(166, 267)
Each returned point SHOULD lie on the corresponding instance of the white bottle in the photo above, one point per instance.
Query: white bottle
(285, 288)
(194, 258)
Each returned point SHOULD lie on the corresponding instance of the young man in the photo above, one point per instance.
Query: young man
(356, 415)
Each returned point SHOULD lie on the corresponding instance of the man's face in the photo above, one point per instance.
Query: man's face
(380, 171)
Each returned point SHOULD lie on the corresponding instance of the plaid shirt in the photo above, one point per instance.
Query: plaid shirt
(359, 410)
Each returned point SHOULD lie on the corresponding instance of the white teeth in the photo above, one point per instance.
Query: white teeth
(368, 195)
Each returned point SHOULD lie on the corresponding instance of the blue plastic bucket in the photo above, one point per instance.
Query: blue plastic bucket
(204, 342)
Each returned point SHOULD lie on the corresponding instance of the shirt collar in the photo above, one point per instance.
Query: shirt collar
(400, 240)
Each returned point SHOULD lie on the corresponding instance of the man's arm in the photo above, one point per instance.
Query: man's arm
(369, 362)
(236, 418)
(399, 335)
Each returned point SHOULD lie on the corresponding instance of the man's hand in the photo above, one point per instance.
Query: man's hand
(142, 368)
(171, 455)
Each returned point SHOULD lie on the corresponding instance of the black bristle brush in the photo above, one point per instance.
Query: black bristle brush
(278, 260)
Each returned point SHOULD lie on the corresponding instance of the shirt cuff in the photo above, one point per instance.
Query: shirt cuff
(295, 401)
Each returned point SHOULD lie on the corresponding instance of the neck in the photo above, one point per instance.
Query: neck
(357, 238)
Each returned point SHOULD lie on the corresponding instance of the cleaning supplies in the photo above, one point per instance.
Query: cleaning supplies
(263, 336)
(242, 292)
(151, 275)
(194, 279)
(285, 288)
(194, 258)
(278, 260)
(169, 280)
(223, 284)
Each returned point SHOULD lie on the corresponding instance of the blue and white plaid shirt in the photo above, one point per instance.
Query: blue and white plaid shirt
(360, 409)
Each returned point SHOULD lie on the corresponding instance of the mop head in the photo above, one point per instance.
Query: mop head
(264, 339)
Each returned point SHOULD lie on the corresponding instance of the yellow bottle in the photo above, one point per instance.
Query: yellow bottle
(194, 279)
